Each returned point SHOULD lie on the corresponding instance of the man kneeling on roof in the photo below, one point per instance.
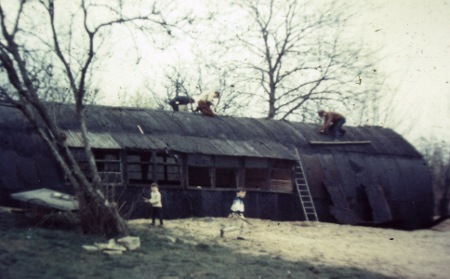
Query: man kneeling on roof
(332, 122)
(205, 101)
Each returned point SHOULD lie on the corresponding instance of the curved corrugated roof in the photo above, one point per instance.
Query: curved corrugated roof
(114, 127)
(119, 127)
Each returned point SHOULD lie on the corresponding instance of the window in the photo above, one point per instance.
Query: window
(226, 178)
(227, 172)
(256, 178)
(145, 167)
(167, 169)
(139, 167)
(108, 166)
(281, 176)
(199, 177)
(256, 173)
(107, 162)
(80, 157)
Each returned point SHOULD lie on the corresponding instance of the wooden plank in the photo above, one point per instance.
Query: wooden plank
(380, 208)
(339, 142)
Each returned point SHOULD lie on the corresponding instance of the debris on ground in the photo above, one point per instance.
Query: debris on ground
(115, 247)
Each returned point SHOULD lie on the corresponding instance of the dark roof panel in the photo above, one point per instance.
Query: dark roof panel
(135, 128)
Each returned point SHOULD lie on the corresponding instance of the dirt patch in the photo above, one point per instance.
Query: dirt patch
(193, 248)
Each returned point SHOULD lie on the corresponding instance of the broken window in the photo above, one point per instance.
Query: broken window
(108, 166)
(107, 162)
(227, 171)
(145, 167)
(281, 176)
(256, 178)
(200, 170)
(139, 167)
(167, 169)
(226, 178)
(256, 173)
(199, 177)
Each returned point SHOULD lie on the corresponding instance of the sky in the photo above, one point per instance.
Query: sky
(413, 37)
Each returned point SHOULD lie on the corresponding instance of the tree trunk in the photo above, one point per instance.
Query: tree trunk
(97, 214)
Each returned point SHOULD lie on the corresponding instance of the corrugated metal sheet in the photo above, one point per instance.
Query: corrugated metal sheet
(97, 140)
(220, 135)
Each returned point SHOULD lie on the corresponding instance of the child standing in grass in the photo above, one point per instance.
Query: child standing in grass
(155, 201)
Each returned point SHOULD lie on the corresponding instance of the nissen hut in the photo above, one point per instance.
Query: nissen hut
(372, 177)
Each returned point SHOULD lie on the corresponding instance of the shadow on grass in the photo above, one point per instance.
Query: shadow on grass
(31, 252)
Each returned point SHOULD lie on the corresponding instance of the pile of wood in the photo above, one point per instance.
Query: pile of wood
(115, 247)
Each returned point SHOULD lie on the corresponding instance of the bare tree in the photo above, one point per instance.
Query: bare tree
(29, 57)
(438, 159)
(294, 55)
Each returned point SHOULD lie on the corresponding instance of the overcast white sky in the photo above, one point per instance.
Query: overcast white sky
(414, 37)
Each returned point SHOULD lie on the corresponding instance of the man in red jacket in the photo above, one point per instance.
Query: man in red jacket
(332, 122)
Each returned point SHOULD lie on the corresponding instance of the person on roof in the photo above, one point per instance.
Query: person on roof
(205, 101)
(180, 103)
(332, 123)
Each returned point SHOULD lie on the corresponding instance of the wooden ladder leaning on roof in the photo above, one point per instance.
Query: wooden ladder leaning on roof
(301, 184)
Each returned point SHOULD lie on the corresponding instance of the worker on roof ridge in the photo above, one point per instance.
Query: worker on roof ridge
(332, 122)
(206, 101)
(180, 103)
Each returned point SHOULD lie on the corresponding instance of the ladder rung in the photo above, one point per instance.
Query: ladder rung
(303, 191)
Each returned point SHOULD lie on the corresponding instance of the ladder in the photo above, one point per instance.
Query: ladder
(304, 194)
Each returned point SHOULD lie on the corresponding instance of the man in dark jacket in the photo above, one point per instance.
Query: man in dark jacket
(181, 100)
(332, 122)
